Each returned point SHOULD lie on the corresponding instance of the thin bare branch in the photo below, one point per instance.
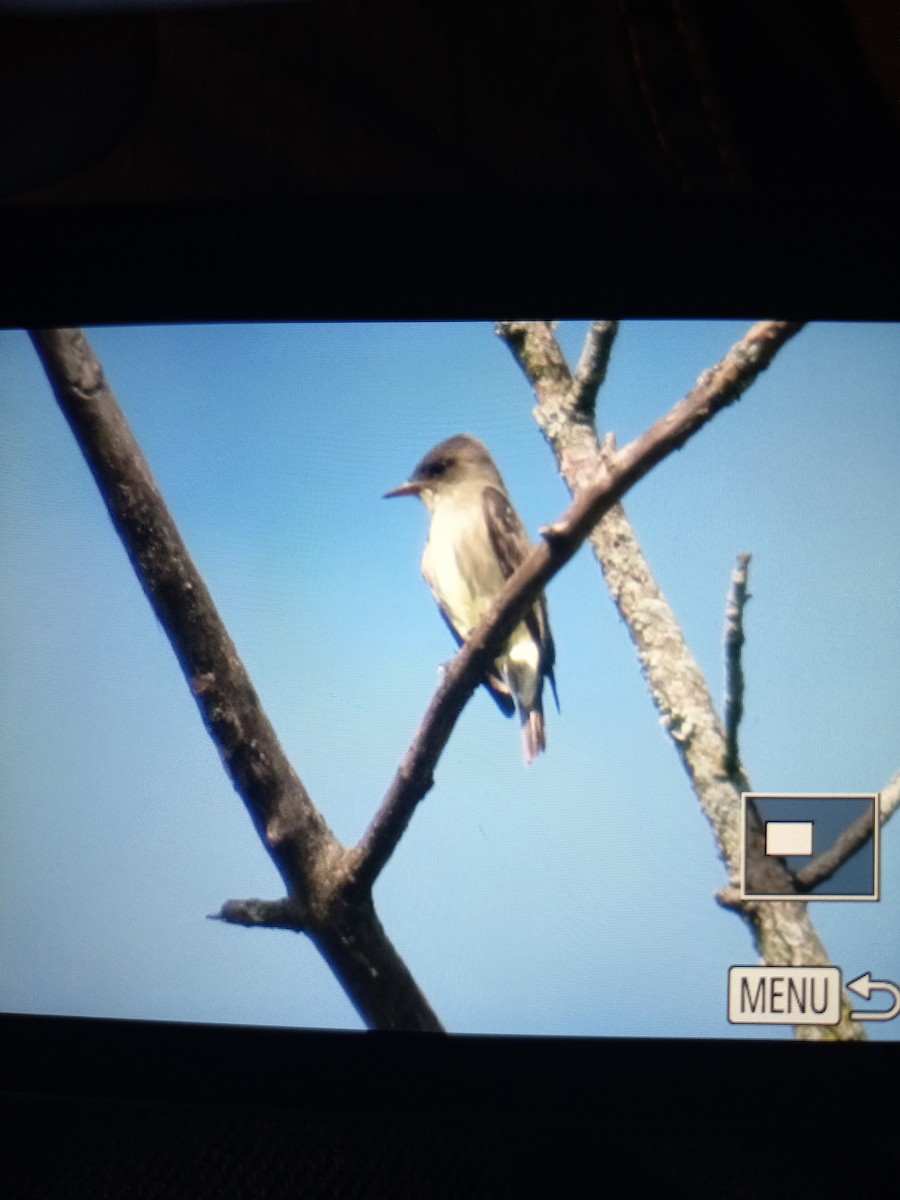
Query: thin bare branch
(592, 366)
(734, 671)
(267, 914)
(614, 476)
(314, 865)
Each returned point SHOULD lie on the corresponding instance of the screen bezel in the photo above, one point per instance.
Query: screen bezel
(413, 258)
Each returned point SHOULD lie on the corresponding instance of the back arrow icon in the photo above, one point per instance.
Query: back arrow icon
(865, 985)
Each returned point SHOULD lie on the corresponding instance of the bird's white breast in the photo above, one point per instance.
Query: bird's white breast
(459, 563)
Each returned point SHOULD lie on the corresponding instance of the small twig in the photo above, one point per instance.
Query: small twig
(592, 366)
(734, 671)
(270, 914)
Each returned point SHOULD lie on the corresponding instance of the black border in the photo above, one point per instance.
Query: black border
(671, 1085)
(417, 258)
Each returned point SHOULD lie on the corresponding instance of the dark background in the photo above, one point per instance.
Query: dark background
(359, 159)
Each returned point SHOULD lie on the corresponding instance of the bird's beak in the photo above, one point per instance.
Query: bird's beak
(413, 488)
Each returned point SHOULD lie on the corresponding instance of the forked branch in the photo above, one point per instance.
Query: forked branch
(782, 931)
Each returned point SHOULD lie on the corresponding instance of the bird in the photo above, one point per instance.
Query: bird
(476, 540)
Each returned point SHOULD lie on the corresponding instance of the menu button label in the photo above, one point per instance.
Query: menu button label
(784, 995)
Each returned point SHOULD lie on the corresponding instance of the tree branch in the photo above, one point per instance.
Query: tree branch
(610, 479)
(315, 866)
(734, 671)
(592, 365)
(782, 932)
(267, 914)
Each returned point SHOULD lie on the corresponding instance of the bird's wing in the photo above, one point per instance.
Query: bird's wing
(501, 694)
(548, 649)
(494, 684)
(512, 545)
(505, 529)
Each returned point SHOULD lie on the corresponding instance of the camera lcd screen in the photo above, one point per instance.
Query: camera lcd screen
(581, 894)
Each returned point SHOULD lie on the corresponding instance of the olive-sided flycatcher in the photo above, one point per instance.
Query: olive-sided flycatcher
(476, 540)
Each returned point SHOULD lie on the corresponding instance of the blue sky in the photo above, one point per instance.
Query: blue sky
(575, 896)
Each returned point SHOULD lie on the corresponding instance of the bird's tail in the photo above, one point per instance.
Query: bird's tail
(534, 736)
(522, 674)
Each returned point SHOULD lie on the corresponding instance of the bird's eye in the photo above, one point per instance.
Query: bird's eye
(437, 469)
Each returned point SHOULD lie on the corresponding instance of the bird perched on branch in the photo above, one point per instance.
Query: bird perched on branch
(476, 540)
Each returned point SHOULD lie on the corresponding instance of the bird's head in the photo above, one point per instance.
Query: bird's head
(457, 461)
